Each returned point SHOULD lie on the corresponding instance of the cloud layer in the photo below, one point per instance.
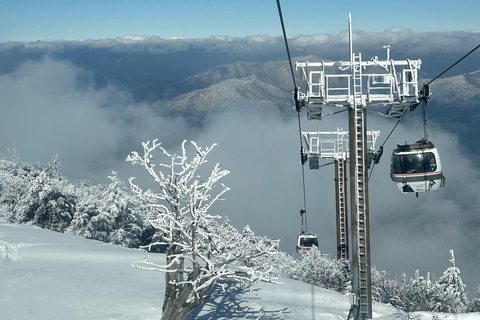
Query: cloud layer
(177, 58)
(52, 107)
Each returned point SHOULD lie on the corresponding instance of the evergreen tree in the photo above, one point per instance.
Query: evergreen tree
(111, 214)
(474, 305)
(15, 179)
(448, 293)
(48, 202)
(119, 215)
(417, 292)
(86, 209)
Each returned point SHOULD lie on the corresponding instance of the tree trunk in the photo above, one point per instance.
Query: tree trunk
(172, 278)
(178, 308)
(182, 300)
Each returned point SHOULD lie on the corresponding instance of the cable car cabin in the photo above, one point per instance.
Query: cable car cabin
(306, 241)
(417, 167)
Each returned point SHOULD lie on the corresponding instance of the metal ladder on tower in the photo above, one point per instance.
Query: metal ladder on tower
(342, 222)
(360, 166)
(361, 216)
(357, 78)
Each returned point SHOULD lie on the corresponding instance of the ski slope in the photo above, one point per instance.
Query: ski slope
(49, 275)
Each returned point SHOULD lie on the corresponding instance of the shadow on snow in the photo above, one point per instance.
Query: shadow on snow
(232, 304)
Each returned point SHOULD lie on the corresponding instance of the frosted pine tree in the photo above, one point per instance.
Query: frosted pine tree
(416, 292)
(110, 214)
(448, 293)
(15, 180)
(474, 305)
(86, 209)
(49, 201)
(118, 215)
(198, 255)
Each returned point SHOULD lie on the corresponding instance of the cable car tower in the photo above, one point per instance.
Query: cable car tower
(334, 145)
(358, 85)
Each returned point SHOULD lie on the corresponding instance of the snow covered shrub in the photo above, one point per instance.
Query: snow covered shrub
(406, 293)
(32, 194)
(257, 251)
(417, 293)
(319, 270)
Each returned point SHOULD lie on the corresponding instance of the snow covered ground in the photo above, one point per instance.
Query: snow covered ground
(49, 275)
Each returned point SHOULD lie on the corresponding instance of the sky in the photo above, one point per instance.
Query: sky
(30, 20)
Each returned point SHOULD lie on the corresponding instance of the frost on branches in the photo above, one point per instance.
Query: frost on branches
(320, 270)
(111, 214)
(201, 250)
(448, 294)
(410, 294)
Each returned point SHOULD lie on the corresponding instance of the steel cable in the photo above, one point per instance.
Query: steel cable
(298, 112)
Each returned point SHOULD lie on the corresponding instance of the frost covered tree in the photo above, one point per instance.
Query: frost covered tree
(406, 293)
(124, 212)
(40, 195)
(15, 178)
(48, 201)
(474, 305)
(448, 293)
(200, 249)
(86, 208)
(110, 214)
(30, 193)
(417, 293)
(384, 289)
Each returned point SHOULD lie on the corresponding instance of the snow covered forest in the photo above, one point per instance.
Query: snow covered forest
(40, 195)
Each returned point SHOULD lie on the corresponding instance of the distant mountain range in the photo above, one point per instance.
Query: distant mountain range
(226, 86)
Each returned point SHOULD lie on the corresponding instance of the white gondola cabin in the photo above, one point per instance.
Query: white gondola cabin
(306, 241)
(417, 167)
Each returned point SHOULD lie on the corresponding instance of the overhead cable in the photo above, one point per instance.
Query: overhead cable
(471, 51)
(286, 42)
(297, 107)
(386, 139)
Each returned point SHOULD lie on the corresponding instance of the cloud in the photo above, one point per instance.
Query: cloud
(438, 49)
(52, 107)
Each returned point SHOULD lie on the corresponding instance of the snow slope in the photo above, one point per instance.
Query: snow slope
(49, 275)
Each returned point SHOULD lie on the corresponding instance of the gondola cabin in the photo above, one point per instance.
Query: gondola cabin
(417, 167)
(306, 241)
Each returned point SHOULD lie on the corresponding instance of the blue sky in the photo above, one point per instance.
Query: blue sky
(30, 20)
